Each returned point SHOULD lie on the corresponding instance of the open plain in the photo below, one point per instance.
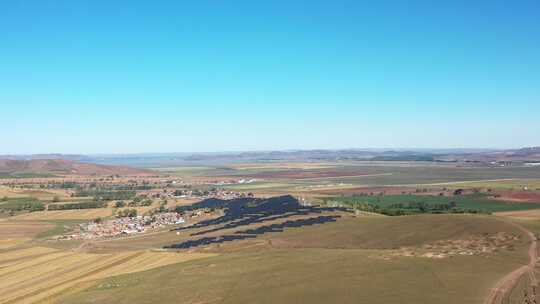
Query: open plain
(270, 232)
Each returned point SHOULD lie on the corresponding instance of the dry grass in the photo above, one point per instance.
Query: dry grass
(16, 233)
(48, 194)
(522, 214)
(83, 214)
(181, 202)
(16, 229)
(9, 243)
(37, 274)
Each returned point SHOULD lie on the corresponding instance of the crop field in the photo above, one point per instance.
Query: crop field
(390, 173)
(45, 195)
(83, 214)
(261, 166)
(433, 175)
(474, 201)
(56, 271)
(13, 233)
(275, 249)
(187, 171)
(506, 184)
(21, 204)
(339, 177)
(22, 229)
(348, 261)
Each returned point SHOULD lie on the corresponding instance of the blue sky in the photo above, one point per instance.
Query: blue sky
(184, 76)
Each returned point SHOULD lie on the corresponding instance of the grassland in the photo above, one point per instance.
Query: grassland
(342, 262)
(60, 227)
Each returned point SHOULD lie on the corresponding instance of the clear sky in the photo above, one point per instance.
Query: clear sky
(183, 76)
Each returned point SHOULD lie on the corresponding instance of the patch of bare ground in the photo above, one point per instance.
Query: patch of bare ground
(521, 214)
(474, 245)
(519, 196)
(502, 291)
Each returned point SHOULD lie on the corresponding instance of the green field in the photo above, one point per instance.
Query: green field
(60, 227)
(478, 202)
(21, 204)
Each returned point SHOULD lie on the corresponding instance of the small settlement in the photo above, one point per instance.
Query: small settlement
(124, 226)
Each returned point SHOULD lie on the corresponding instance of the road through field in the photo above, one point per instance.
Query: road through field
(504, 286)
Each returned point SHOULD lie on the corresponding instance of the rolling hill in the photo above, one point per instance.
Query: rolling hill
(10, 167)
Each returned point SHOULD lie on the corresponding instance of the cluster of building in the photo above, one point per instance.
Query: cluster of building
(125, 226)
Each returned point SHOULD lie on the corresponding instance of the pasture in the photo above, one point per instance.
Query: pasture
(348, 261)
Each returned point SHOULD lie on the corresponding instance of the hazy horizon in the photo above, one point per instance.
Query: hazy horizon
(158, 153)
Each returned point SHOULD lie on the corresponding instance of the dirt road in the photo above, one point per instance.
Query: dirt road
(504, 286)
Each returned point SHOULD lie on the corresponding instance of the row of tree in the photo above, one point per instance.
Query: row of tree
(71, 206)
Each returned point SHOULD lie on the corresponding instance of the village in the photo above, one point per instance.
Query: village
(125, 226)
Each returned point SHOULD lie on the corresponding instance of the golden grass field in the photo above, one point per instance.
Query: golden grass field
(37, 274)
(180, 202)
(15, 233)
(522, 214)
(86, 214)
(46, 195)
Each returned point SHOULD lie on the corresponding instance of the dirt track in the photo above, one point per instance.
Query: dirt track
(504, 286)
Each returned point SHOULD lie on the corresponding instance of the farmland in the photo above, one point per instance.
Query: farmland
(248, 227)
(56, 271)
(474, 202)
(269, 152)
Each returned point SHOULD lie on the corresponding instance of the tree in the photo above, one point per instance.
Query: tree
(132, 213)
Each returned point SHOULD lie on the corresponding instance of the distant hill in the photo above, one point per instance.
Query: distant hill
(75, 157)
(13, 167)
(531, 152)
